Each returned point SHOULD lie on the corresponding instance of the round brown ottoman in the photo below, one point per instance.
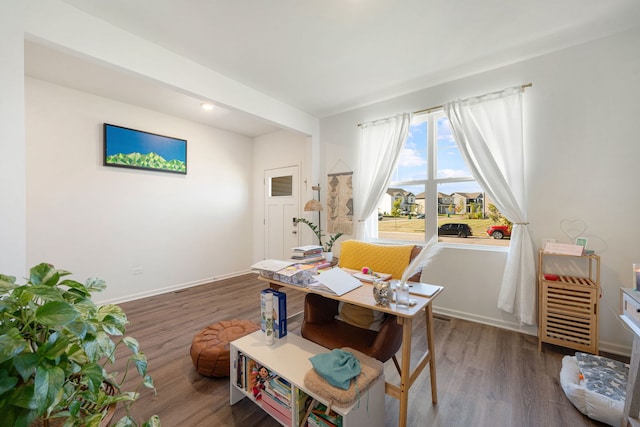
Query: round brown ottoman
(210, 346)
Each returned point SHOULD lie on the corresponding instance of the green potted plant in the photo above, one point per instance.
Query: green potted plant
(328, 246)
(55, 346)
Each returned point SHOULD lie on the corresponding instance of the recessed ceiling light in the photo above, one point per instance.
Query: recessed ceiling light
(206, 106)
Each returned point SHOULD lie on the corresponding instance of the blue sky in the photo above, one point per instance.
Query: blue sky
(413, 158)
(126, 141)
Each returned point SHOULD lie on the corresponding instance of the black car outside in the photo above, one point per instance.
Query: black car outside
(455, 229)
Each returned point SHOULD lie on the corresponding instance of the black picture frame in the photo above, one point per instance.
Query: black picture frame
(135, 149)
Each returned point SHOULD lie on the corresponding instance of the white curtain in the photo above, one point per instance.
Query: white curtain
(380, 145)
(488, 130)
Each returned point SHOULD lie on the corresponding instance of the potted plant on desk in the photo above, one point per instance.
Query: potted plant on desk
(55, 344)
(327, 248)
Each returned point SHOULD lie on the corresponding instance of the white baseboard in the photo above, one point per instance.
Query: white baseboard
(498, 323)
(173, 288)
(604, 346)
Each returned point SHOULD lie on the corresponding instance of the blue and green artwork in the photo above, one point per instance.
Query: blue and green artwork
(129, 148)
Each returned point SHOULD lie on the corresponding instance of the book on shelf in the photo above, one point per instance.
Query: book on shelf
(240, 370)
(278, 398)
(280, 389)
(319, 416)
(281, 414)
(250, 374)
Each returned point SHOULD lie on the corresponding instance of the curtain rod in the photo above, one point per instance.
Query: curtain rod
(440, 107)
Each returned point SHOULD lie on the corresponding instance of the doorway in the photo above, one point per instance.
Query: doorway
(282, 194)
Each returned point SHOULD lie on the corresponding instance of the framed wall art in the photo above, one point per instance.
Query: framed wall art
(136, 149)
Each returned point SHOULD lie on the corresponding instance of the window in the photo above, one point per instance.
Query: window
(432, 187)
(281, 186)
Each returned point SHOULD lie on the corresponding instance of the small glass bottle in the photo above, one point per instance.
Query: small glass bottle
(402, 295)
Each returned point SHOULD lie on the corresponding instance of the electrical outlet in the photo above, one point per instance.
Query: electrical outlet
(136, 271)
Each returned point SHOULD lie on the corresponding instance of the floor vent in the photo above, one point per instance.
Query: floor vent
(441, 318)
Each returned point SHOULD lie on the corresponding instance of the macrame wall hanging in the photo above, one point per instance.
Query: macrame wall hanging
(340, 202)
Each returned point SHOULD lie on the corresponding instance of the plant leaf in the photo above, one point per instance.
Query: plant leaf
(101, 346)
(9, 279)
(72, 284)
(7, 382)
(56, 381)
(55, 347)
(78, 328)
(42, 273)
(25, 364)
(132, 344)
(24, 397)
(140, 361)
(11, 344)
(41, 388)
(94, 374)
(125, 422)
(95, 284)
(56, 313)
(154, 421)
(7, 284)
(47, 293)
(113, 319)
(148, 382)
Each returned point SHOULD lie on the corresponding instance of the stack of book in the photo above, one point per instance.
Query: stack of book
(276, 399)
(307, 254)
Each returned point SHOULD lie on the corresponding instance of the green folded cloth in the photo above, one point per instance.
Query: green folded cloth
(337, 367)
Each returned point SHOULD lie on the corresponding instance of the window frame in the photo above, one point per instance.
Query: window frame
(430, 185)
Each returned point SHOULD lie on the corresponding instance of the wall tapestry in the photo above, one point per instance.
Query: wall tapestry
(340, 203)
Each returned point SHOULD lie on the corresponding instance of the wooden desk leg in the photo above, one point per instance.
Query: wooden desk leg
(432, 354)
(405, 374)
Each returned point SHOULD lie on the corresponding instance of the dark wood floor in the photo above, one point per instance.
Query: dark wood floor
(486, 376)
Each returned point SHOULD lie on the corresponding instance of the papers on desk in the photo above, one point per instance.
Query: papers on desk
(272, 265)
(337, 281)
(422, 289)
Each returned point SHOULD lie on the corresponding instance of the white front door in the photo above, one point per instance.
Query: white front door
(281, 207)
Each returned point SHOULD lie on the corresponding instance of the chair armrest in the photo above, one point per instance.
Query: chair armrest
(318, 309)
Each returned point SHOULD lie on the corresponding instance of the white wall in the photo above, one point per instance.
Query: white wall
(277, 150)
(581, 133)
(12, 148)
(103, 221)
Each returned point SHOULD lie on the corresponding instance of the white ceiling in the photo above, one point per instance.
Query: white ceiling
(328, 56)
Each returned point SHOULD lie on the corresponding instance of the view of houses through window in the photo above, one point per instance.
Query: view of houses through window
(433, 191)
